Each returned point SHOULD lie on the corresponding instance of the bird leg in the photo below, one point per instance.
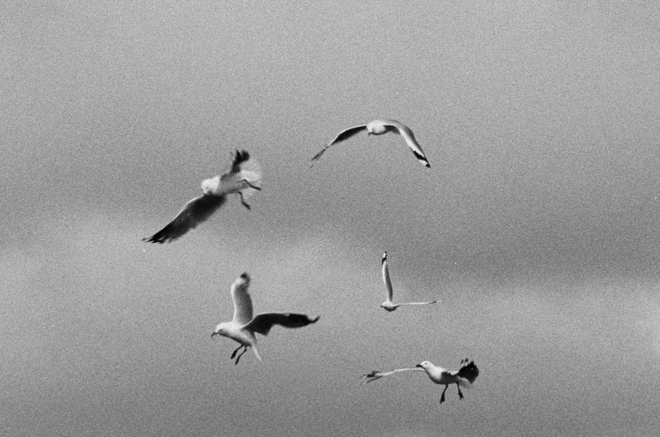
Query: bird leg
(233, 354)
(243, 202)
(442, 396)
(460, 394)
(240, 355)
(246, 182)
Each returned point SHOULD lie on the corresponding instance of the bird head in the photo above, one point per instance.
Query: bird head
(424, 364)
(211, 185)
(245, 277)
(219, 330)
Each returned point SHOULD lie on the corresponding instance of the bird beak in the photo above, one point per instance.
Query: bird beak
(419, 365)
(213, 333)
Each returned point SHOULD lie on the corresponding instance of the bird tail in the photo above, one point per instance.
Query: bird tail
(256, 352)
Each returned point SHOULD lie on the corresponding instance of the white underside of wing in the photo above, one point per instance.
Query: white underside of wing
(374, 375)
(410, 140)
(387, 281)
(242, 301)
(417, 303)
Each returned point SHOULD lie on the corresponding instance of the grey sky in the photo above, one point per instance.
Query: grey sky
(536, 225)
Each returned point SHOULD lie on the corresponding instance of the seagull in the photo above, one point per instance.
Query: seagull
(244, 179)
(464, 377)
(379, 127)
(388, 305)
(243, 326)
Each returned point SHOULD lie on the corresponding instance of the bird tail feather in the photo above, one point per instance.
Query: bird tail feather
(256, 352)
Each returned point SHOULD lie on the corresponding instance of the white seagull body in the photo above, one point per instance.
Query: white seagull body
(379, 127)
(243, 179)
(464, 377)
(388, 305)
(243, 326)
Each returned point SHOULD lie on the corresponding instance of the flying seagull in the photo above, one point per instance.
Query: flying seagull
(243, 179)
(243, 326)
(379, 127)
(464, 377)
(388, 305)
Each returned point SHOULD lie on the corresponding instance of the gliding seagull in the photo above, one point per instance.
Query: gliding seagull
(464, 377)
(243, 326)
(379, 127)
(244, 179)
(388, 305)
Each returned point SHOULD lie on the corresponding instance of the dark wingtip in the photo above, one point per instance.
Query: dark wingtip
(382, 261)
(470, 371)
(153, 239)
(241, 156)
(421, 158)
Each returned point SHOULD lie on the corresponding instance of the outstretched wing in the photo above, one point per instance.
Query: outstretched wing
(343, 135)
(409, 137)
(377, 374)
(193, 213)
(262, 323)
(386, 278)
(417, 303)
(240, 157)
(242, 299)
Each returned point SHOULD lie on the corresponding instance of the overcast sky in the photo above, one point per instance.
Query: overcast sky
(537, 224)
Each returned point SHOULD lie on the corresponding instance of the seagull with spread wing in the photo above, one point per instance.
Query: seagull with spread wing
(243, 326)
(464, 377)
(243, 179)
(379, 127)
(388, 305)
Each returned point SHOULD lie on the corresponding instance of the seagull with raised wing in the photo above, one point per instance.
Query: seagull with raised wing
(388, 305)
(464, 377)
(243, 179)
(379, 127)
(243, 326)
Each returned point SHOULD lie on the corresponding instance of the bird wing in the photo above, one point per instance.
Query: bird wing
(468, 372)
(243, 168)
(417, 303)
(409, 137)
(262, 323)
(386, 278)
(242, 300)
(343, 135)
(240, 157)
(193, 213)
(377, 374)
